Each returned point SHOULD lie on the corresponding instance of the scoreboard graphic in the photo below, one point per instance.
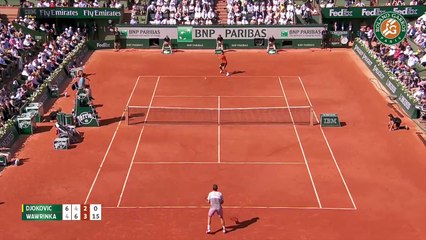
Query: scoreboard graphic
(61, 212)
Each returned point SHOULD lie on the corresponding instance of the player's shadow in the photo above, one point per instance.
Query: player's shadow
(237, 72)
(240, 225)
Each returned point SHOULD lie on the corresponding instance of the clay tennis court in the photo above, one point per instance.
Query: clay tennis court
(281, 180)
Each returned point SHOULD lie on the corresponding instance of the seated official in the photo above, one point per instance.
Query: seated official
(219, 42)
(271, 44)
(166, 44)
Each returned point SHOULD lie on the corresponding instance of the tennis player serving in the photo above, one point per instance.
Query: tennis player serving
(223, 63)
(215, 198)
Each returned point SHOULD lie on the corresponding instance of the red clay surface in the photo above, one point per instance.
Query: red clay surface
(280, 181)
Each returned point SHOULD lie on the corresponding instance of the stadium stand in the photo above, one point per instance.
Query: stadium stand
(182, 12)
(401, 59)
(80, 4)
(417, 33)
(371, 3)
(29, 62)
(406, 62)
(276, 12)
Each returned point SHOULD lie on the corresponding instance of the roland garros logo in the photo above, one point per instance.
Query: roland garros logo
(24, 124)
(390, 28)
(85, 118)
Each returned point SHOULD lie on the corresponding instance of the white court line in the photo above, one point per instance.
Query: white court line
(217, 76)
(137, 144)
(329, 147)
(233, 207)
(300, 144)
(212, 96)
(218, 129)
(110, 143)
(226, 163)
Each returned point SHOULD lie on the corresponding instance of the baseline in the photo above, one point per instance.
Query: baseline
(213, 96)
(216, 76)
(221, 162)
(230, 207)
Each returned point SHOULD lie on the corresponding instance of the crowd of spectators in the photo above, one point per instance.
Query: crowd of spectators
(137, 9)
(36, 68)
(15, 47)
(417, 32)
(402, 2)
(264, 12)
(187, 12)
(75, 3)
(371, 3)
(403, 61)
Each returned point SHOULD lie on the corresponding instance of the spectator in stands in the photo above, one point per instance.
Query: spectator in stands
(330, 4)
(412, 60)
(4, 67)
(42, 4)
(151, 8)
(370, 36)
(411, 31)
(134, 21)
(28, 42)
(419, 92)
(423, 60)
(307, 15)
(244, 21)
(359, 3)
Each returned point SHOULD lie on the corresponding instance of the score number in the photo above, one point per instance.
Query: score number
(92, 212)
(85, 212)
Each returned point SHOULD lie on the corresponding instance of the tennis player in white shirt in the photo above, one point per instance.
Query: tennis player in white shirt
(215, 198)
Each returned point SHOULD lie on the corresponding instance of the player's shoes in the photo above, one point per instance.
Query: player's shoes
(221, 71)
(208, 231)
(224, 230)
(227, 74)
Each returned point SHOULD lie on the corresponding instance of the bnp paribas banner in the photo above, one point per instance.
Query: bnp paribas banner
(189, 34)
(80, 13)
(372, 12)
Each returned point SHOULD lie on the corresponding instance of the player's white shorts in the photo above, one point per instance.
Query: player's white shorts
(212, 211)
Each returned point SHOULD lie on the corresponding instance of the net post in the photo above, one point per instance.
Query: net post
(311, 115)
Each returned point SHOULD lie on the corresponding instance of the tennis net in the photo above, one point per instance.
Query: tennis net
(256, 115)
